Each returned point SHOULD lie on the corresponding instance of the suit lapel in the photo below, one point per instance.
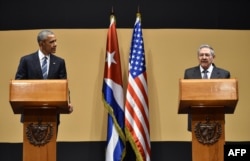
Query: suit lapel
(215, 73)
(197, 73)
(36, 65)
(51, 65)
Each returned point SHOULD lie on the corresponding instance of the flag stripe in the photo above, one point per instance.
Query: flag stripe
(136, 109)
(117, 93)
(136, 135)
(138, 98)
(112, 142)
(139, 131)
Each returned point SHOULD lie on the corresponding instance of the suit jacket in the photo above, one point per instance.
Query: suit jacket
(195, 73)
(30, 68)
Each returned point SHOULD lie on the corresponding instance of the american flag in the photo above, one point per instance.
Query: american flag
(113, 97)
(136, 105)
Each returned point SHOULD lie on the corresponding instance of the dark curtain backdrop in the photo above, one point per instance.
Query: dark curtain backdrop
(72, 14)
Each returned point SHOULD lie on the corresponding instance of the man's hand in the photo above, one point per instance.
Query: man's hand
(70, 108)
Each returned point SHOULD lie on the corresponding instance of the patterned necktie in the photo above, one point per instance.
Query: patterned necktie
(205, 74)
(44, 68)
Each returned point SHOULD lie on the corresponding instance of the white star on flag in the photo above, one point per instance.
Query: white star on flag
(110, 58)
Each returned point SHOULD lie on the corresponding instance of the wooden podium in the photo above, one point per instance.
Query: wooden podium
(208, 100)
(40, 102)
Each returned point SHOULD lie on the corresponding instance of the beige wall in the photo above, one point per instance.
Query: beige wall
(168, 53)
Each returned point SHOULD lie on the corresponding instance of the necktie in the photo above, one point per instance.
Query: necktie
(205, 74)
(44, 68)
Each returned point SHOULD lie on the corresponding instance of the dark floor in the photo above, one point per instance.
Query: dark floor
(95, 151)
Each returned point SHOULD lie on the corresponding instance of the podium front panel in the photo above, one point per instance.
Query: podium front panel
(208, 93)
(32, 94)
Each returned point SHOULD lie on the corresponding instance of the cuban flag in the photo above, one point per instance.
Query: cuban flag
(113, 97)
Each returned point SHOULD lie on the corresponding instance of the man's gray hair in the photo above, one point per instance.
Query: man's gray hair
(43, 35)
(206, 46)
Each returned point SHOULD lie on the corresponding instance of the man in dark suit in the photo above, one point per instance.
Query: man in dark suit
(30, 66)
(206, 69)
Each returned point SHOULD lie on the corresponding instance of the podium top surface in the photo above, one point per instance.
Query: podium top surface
(208, 93)
(35, 94)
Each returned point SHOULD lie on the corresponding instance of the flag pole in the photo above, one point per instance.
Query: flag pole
(138, 14)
